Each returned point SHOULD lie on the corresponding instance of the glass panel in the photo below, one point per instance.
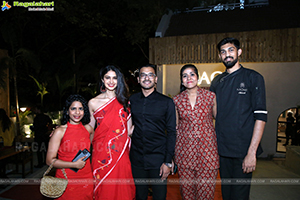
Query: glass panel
(286, 129)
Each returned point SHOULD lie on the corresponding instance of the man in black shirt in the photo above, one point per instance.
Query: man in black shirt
(240, 121)
(153, 138)
(42, 127)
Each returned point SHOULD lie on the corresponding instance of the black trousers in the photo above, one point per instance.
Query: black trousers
(144, 178)
(235, 183)
(41, 148)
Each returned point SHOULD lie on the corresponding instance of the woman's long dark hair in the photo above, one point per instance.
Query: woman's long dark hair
(69, 101)
(4, 120)
(182, 87)
(121, 89)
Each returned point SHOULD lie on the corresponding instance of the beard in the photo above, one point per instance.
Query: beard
(229, 64)
(147, 87)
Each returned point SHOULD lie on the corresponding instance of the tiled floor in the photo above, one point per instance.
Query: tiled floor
(274, 182)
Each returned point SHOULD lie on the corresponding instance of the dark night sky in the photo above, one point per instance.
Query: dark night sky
(97, 33)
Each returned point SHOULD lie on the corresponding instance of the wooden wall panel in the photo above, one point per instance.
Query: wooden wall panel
(281, 45)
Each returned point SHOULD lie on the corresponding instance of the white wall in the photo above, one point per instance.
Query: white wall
(282, 90)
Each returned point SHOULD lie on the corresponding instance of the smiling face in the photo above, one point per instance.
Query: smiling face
(110, 80)
(147, 78)
(229, 55)
(189, 78)
(76, 112)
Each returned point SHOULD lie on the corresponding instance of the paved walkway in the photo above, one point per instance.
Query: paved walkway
(274, 182)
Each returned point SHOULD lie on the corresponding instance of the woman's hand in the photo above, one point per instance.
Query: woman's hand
(130, 127)
(80, 163)
(173, 166)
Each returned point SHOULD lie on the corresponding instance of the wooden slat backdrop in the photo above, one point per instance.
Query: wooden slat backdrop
(281, 45)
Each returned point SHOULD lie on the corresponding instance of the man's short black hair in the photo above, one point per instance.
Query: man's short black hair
(231, 40)
(148, 65)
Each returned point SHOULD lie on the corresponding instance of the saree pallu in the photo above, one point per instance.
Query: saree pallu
(110, 159)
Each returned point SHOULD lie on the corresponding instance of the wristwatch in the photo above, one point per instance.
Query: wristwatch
(169, 165)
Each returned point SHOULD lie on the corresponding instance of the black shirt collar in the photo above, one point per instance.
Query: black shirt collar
(226, 74)
(150, 96)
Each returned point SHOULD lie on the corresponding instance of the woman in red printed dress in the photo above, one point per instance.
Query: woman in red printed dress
(196, 145)
(73, 135)
(111, 142)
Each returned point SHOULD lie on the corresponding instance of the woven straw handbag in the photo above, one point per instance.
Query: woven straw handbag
(51, 186)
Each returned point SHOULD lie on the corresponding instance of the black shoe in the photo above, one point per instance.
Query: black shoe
(150, 192)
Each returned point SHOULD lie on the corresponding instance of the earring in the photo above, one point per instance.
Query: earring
(101, 89)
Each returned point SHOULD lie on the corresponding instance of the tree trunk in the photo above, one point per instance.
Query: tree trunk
(17, 99)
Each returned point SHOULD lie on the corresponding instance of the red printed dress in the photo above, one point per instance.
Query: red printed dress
(196, 145)
(110, 158)
(80, 183)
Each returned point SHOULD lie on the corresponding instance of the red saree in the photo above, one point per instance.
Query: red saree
(110, 159)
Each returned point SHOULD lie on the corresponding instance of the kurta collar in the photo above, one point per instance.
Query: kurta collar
(199, 91)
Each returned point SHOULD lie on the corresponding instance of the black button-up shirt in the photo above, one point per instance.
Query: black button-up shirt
(241, 100)
(154, 135)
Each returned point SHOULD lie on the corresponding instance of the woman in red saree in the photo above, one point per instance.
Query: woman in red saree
(111, 142)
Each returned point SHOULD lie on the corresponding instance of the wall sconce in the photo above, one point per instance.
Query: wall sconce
(23, 109)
